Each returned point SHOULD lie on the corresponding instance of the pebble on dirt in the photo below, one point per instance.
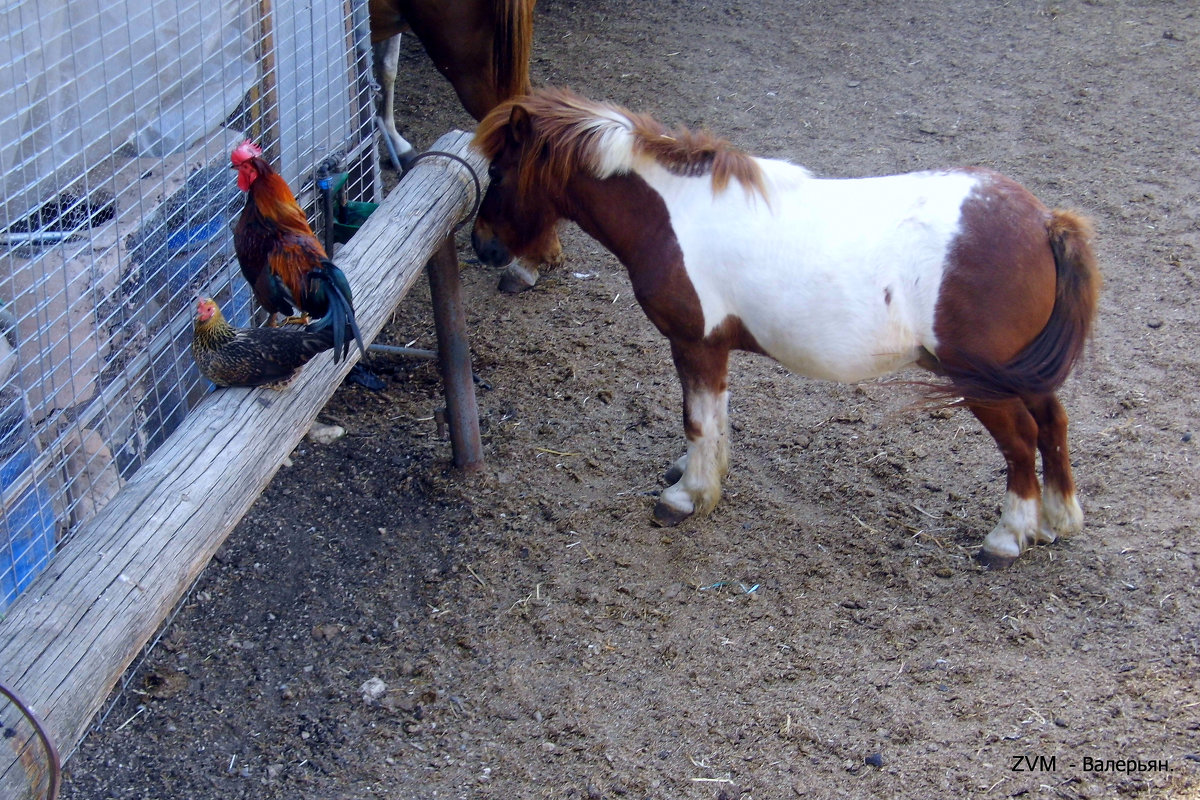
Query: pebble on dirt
(373, 689)
(320, 433)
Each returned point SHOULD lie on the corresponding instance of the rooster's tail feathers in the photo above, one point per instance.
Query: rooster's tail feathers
(340, 316)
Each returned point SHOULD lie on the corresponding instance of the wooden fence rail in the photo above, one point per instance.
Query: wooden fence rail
(72, 634)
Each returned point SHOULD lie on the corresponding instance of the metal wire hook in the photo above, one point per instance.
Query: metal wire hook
(470, 170)
(55, 776)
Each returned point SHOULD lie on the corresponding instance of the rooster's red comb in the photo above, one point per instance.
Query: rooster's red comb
(244, 152)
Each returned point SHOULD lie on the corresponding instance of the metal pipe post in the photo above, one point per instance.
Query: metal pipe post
(454, 357)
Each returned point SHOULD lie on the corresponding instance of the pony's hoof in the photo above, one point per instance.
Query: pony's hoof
(994, 561)
(666, 516)
(674, 473)
(518, 278)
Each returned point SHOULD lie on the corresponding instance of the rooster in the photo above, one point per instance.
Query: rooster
(230, 356)
(282, 260)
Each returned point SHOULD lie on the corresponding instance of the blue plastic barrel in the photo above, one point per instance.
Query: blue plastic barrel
(27, 525)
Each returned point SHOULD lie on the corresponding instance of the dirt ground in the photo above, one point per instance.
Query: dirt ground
(526, 633)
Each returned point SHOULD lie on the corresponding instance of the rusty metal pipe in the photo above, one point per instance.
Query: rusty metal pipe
(405, 352)
(454, 357)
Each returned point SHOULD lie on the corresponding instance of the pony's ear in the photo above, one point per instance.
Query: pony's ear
(520, 125)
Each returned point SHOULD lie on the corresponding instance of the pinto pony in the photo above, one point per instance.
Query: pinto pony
(961, 271)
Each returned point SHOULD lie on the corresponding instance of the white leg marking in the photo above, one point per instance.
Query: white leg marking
(387, 59)
(707, 458)
(1017, 529)
(1061, 516)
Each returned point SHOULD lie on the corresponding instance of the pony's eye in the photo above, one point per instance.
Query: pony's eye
(494, 173)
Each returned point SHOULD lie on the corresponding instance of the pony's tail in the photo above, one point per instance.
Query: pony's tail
(1042, 366)
(512, 44)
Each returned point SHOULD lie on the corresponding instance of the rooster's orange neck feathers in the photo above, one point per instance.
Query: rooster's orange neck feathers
(275, 201)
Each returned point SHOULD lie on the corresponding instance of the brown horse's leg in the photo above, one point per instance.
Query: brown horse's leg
(387, 59)
(1061, 513)
(1016, 433)
(703, 373)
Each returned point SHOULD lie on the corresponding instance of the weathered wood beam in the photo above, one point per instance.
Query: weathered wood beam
(68, 639)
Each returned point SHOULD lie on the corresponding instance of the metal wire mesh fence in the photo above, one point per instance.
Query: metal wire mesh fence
(116, 124)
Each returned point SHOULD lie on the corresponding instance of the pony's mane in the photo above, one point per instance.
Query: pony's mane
(571, 133)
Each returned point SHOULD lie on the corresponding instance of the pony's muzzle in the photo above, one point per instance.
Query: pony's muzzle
(488, 247)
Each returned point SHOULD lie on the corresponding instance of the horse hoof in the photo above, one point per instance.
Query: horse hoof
(401, 160)
(994, 561)
(517, 278)
(666, 516)
(673, 474)
(406, 159)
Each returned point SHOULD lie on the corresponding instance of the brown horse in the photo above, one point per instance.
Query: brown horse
(481, 46)
(960, 271)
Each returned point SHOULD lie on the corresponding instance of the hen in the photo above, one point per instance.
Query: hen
(284, 263)
(230, 356)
